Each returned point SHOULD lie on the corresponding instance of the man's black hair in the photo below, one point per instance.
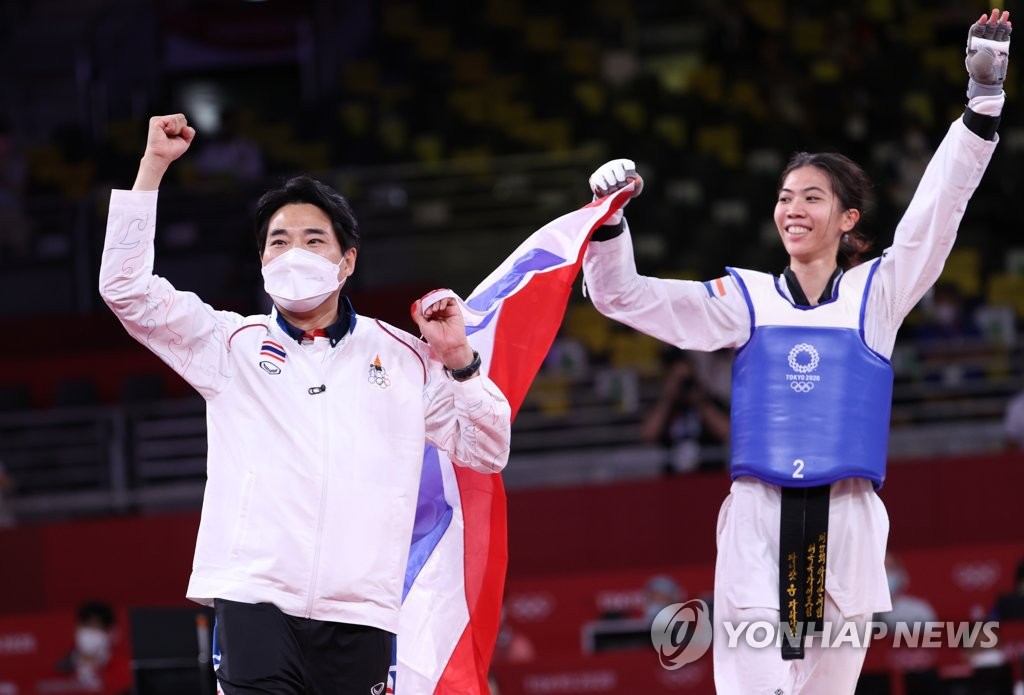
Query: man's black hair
(305, 189)
(98, 610)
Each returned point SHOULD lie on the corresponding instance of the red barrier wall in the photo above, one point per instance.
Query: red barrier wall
(576, 553)
(636, 526)
(552, 613)
(126, 561)
(672, 520)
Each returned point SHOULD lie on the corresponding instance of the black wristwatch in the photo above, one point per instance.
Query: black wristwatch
(467, 372)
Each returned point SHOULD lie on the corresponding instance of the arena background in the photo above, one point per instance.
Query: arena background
(456, 129)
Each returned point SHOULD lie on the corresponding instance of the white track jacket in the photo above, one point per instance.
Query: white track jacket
(310, 494)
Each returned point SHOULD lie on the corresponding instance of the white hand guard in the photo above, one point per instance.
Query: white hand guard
(612, 176)
(988, 52)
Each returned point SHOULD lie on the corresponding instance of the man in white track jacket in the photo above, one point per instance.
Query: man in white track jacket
(317, 419)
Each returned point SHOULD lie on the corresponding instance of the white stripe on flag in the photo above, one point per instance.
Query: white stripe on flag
(439, 590)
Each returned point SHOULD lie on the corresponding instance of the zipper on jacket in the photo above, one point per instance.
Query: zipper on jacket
(311, 594)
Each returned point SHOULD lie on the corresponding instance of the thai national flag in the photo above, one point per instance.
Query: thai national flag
(456, 572)
(273, 350)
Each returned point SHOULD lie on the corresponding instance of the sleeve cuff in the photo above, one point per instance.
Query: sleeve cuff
(471, 390)
(608, 231)
(981, 125)
(120, 196)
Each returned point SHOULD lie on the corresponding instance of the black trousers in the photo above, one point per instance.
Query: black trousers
(262, 650)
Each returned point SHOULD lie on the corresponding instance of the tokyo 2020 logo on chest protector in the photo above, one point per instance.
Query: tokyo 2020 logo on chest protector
(803, 360)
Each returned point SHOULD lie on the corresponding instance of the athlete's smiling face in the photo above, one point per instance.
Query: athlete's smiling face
(809, 216)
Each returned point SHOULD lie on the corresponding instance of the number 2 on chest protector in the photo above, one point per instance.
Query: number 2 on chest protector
(799, 465)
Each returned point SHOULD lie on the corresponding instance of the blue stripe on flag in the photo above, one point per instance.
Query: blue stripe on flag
(433, 516)
(215, 650)
(470, 330)
(270, 348)
(533, 260)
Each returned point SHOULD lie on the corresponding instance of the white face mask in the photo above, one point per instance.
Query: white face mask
(93, 643)
(300, 280)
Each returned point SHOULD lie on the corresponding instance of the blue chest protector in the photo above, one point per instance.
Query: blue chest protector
(810, 401)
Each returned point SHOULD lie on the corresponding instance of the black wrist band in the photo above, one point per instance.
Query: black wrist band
(466, 372)
(981, 125)
(608, 231)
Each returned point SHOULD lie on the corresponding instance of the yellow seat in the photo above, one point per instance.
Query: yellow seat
(808, 36)
(581, 57)
(550, 394)
(1008, 290)
(721, 142)
(400, 19)
(671, 129)
(585, 324)
(361, 77)
(355, 118)
(470, 67)
(769, 14)
(591, 95)
(504, 13)
(632, 114)
(433, 43)
(543, 34)
(963, 269)
(636, 351)
(428, 148)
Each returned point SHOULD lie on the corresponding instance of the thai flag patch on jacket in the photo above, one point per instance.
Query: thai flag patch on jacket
(716, 288)
(273, 350)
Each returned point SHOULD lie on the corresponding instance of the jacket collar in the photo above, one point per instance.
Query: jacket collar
(345, 324)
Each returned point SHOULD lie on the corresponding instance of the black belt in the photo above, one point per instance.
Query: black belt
(803, 549)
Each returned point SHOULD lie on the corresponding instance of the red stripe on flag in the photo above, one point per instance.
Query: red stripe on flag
(486, 559)
(527, 325)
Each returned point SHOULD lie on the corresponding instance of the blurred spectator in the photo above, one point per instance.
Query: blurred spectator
(1010, 606)
(567, 357)
(947, 316)
(629, 626)
(660, 591)
(908, 164)
(14, 225)
(714, 372)
(6, 487)
(1013, 423)
(687, 420)
(229, 155)
(905, 607)
(951, 343)
(95, 661)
